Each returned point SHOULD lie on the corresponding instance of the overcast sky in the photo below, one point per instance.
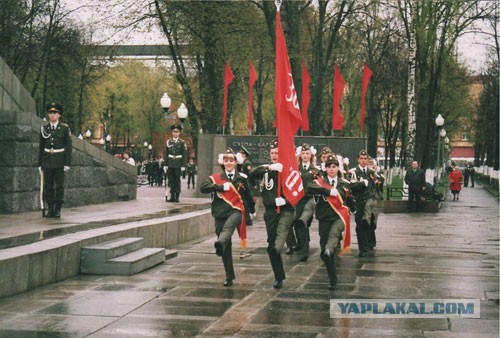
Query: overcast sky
(472, 48)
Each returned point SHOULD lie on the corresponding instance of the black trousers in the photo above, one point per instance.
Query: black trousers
(174, 180)
(191, 179)
(414, 197)
(53, 185)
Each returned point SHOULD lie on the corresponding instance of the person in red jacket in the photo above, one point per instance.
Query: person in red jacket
(456, 179)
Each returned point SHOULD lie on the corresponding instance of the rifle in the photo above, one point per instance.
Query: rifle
(42, 204)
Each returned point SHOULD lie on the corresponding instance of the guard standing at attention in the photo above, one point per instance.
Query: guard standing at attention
(54, 158)
(175, 162)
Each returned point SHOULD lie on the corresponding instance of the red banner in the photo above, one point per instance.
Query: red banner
(228, 78)
(338, 90)
(306, 97)
(288, 120)
(252, 77)
(367, 74)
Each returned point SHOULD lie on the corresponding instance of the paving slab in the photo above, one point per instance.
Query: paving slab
(451, 254)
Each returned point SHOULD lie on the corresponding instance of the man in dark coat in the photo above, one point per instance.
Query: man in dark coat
(415, 178)
(175, 162)
(54, 158)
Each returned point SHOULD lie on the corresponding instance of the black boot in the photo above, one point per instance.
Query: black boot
(50, 211)
(176, 197)
(329, 260)
(172, 197)
(57, 210)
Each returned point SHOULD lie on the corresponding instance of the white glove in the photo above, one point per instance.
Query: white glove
(66, 168)
(334, 192)
(183, 169)
(227, 186)
(40, 170)
(279, 201)
(165, 168)
(252, 216)
(365, 182)
(276, 167)
(323, 166)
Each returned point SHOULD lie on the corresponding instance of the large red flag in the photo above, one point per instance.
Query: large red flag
(228, 78)
(306, 97)
(288, 120)
(252, 77)
(367, 74)
(338, 90)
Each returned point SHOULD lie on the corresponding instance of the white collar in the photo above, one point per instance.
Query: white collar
(175, 139)
(231, 173)
(54, 124)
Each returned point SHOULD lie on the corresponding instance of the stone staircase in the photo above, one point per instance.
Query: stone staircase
(122, 256)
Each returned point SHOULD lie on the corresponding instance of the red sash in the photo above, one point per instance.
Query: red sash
(337, 204)
(233, 198)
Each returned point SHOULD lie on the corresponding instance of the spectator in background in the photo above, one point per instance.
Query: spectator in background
(469, 174)
(128, 159)
(415, 178)
(456, 179)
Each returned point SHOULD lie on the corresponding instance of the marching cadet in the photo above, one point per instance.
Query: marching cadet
(245, 168)
(278, 214)
(175, 162)
(364, 185)
(54, 158)
(330, 193)
(230, 199)
(304, 210)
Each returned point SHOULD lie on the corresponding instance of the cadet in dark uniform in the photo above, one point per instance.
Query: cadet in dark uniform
(330, 192)
(191, 171)
(54, 158)
(175, 162)
(364, 185)
(304, 210)
(230, 199)
(277, 223)
(245, 168)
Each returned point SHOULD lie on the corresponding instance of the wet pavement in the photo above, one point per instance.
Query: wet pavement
(453, 254)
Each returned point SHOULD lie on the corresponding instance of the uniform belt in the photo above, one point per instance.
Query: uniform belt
(53, 151)
(175, 156)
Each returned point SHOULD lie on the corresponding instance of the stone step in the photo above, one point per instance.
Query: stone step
(136, 261)
(128, 264)
(122, 256)
(108, 250)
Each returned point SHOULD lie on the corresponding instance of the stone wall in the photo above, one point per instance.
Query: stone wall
(95, 176)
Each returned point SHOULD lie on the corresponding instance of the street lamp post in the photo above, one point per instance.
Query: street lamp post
(182, 113)
(101, 142)
(439, 124)
(108, 142)
(145, 147)
(88, 133)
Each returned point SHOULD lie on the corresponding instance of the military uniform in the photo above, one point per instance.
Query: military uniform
(277, 224)
(227, 218)
(191, 171)
(365, 187)
(54, 157)
(175, 162)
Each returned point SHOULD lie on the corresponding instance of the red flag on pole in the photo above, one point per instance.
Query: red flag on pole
(288, 120)
(338, 90)
(252, 77)
(306, 97)
(367, 74)
(228, 78)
